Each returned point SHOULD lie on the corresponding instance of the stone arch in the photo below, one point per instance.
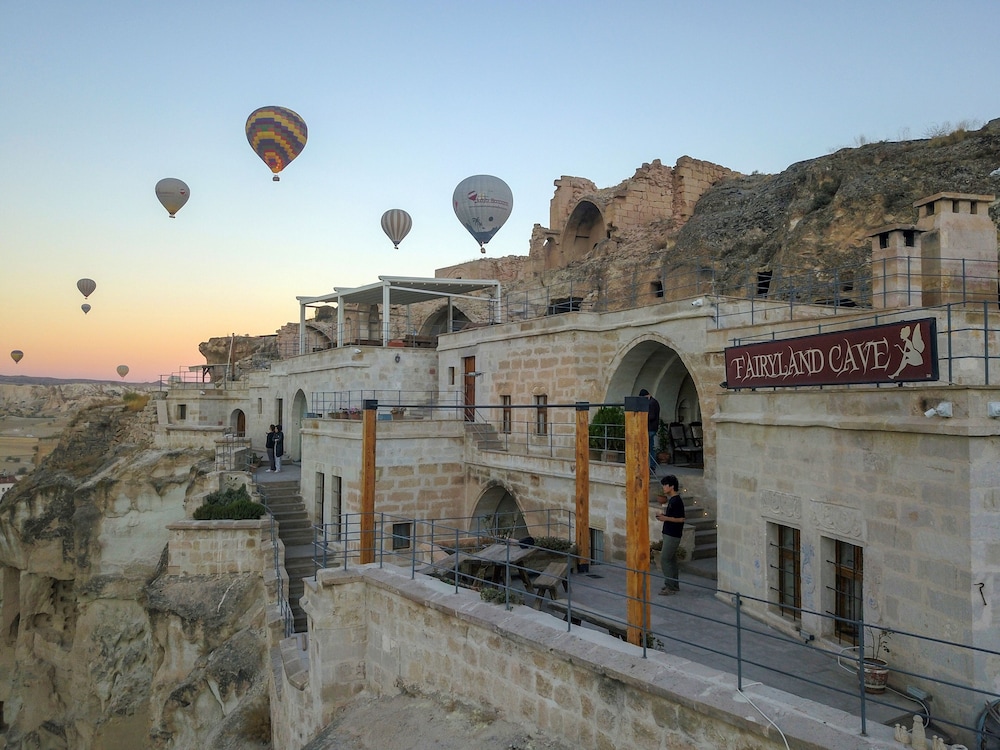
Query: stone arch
(293, 428)
(653, 364)
(498, 507)
(585, 228)
(238, 422)
(437, 322)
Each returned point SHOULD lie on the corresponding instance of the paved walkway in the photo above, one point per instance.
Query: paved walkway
(698, 625)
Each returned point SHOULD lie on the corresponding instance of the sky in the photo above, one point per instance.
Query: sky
(403, 100)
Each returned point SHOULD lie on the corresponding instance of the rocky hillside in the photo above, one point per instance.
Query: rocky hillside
(101, 648)
(817, 213)
(53, 400)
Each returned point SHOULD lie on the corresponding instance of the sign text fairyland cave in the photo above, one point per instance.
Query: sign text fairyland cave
(892, 353)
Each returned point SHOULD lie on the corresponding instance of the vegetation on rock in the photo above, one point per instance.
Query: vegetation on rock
(229, 504)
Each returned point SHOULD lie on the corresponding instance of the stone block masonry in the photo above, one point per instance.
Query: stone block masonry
(380, 631)
(213, 548)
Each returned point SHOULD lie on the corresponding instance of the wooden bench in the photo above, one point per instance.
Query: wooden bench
(548, 581)
(614, 627)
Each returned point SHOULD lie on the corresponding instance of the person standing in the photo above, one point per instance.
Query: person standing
(672, 516)
(279, 447)
(652, 426)
(269, 445)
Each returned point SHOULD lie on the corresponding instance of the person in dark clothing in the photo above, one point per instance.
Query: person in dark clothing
(269, 444)
(279, 447)
(652, 426)
(672, 516)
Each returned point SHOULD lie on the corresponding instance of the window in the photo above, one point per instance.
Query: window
(596, 545)
(451, 376)
(973, 207)
(182, 412)
(883, 240)
(848, 590)
(930, 208)
(955, 205)
(541, 415)
(334, 529)
(319, 514)
(401, 536)
(506, 415)
(909, 238)
(260, 406)
(763, 283)
(785, 566)
(657, 288)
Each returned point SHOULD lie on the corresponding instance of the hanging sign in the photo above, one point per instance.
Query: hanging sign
(901, 352)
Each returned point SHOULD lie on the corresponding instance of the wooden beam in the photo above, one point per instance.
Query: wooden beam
(582, 525)
(637, 516)
(367, 540)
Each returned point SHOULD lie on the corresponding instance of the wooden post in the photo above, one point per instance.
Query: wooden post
(367, 540)
(637, 516)
(582, 526)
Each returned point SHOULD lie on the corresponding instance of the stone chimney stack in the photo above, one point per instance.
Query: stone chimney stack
(958, 248)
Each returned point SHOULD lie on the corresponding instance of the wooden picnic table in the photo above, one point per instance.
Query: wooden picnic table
(493, 563)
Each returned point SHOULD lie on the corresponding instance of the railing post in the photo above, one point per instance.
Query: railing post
(583, 485)
(637, 514)
(739, 643)
(860, 625)
(368, 482)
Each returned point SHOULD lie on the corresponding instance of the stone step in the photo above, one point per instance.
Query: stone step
(704, 551)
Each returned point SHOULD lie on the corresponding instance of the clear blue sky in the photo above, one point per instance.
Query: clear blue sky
(403, 100)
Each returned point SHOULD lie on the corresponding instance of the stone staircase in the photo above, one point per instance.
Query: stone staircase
(699, 516)
(486, 436)
(284, 502)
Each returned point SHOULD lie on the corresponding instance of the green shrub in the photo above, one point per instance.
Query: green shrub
(607, 429)
(238, 511)
(554, 543)
(228, 496)
(229, 504)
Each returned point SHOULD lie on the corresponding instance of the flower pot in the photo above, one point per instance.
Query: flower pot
(876, 675)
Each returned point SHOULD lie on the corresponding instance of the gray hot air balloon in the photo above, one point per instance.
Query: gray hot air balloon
(85, 307)
(122, 371)
(482, 203)
(396, 223)
(86, 287)
(173, 194)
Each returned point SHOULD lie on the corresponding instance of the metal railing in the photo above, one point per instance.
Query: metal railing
(741, 641)
(284, 607)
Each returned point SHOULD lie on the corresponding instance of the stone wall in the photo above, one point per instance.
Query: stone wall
(915, 495)
(218, 548)
(377, 630)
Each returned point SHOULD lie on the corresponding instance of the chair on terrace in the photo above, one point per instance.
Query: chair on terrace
(681, 444)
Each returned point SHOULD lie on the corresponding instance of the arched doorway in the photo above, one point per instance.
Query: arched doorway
(498, 513)
(238, 422)
(293, 431)
(655, 366)
(437, 322)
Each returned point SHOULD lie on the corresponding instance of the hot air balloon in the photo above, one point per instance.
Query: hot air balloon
(85, 307)
(173, 194)
(16, 355)
(396, 223)
(122, 371)
(482, 203)
(278, 135)
(86, 287)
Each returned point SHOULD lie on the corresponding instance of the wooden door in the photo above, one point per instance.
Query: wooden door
(469, 376)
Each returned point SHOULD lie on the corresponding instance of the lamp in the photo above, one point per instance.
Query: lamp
(397, 358)
(943, 410)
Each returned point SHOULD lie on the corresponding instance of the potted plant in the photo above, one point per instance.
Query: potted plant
(876, 668)
(663, 443)
(607, 432)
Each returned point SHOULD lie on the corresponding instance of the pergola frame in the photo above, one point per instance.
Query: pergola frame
(397, 290)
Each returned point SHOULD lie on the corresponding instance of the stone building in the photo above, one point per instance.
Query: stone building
(870, 500)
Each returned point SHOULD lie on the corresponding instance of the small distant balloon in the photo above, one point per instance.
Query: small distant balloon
(85, 307)
(172, 194)
(122, 371)
(396, 223)
(17, 355)
(483, 204)
(277, 135)
(86, 287)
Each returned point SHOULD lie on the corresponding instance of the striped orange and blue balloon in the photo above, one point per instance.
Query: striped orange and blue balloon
(277, 135)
